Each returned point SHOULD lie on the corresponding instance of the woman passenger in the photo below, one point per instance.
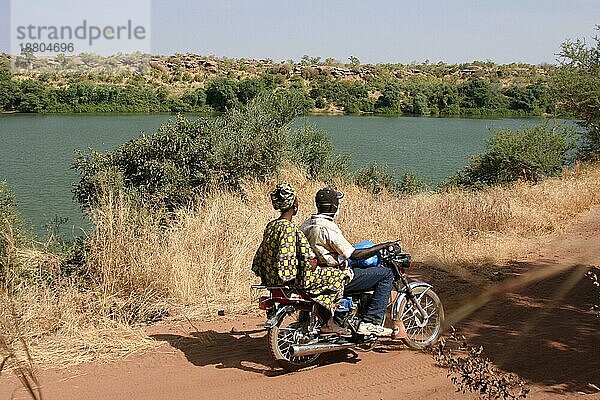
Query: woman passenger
(286, 258)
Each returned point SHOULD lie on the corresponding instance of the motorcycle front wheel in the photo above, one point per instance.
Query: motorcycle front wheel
(422, 332)
(293, 329)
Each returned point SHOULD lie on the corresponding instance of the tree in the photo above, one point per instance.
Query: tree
(33, 98)
(221, 94)
(8, 88)
(249, 88)
(305, 60)
(446, 99)
(25, 59)
(420, 104)
(520, 99)
(481, 94)
(576, 86)
(195, 98)
(391, 97)
(354, 61)
(308, 60)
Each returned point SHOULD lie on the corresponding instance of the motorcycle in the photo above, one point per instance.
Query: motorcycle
(293, 321)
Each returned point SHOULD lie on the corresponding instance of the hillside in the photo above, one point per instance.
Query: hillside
(189, 82)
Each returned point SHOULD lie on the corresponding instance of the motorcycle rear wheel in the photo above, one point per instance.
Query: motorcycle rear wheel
(292, 329)
(422, 334)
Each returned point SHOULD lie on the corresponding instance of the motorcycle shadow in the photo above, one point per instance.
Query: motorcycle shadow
(243, 350)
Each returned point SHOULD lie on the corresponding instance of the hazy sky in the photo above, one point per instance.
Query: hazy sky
(374, 31)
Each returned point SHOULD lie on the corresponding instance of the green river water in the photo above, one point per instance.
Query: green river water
(37, 151)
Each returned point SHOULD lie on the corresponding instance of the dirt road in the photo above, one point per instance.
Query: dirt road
(544, 332)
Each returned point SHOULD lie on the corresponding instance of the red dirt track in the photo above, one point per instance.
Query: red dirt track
(542, 331)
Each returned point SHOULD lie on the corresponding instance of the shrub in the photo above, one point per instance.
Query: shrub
(249, 88)
(311, 148)
(480, 94)
(411, 184)
(470, 371)
(528, 154)
(376, 179)
(165, 167)
(391, 98)
(196, 98)
(14, 236)
(186, 158)
(251, 141)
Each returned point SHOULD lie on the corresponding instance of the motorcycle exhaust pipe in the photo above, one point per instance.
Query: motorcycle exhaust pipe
(312, 349)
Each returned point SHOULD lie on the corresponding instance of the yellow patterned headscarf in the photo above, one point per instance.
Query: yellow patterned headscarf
(283, 196)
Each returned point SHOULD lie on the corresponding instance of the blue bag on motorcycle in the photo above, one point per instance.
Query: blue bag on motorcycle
(368, 262)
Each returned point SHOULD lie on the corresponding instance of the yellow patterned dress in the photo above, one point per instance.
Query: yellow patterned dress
(285, 255)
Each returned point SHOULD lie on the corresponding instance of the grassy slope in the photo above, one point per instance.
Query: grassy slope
(202, 262)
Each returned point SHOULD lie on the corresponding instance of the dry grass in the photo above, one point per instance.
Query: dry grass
(62, 323)
(204, 258)
(67, 327)
(200, 263)
(16, 356)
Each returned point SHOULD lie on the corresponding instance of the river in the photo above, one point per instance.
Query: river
(37, 151)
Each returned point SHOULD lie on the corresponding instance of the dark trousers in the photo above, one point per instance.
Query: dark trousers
(377, 279)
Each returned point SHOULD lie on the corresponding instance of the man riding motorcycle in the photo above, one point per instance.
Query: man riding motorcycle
(329, 245)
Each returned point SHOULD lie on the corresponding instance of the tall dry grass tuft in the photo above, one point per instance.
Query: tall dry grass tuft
(66, 326)
(126, 258)
(16, 356)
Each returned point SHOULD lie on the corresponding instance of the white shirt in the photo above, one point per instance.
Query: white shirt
(326, 239)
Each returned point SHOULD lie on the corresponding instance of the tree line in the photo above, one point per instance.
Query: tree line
(381, 92)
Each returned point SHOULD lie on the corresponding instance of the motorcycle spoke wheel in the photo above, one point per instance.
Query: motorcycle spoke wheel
(292, 330)
(422, 333)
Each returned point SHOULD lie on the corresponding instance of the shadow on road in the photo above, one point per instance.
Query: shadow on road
(245, 350)
(544, 332)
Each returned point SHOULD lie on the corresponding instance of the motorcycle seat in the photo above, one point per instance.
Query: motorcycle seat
(264, 287)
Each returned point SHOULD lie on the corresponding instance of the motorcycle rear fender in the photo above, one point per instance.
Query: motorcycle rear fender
(278, 316)
(402, 295)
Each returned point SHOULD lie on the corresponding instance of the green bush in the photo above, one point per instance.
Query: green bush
(411, 184)
(9, 90)
(391, 98)
(221, 94)
(528, 154)
(251, 141)
(480, 94)
(186, 158)
(196, 99)
(249, 88)
(311, 148)
(376, 179)
(161, 168)
(343, 94)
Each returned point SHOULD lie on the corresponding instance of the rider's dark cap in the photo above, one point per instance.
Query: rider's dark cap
(328, 196)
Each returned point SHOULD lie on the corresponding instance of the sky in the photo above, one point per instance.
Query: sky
(376, 31)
